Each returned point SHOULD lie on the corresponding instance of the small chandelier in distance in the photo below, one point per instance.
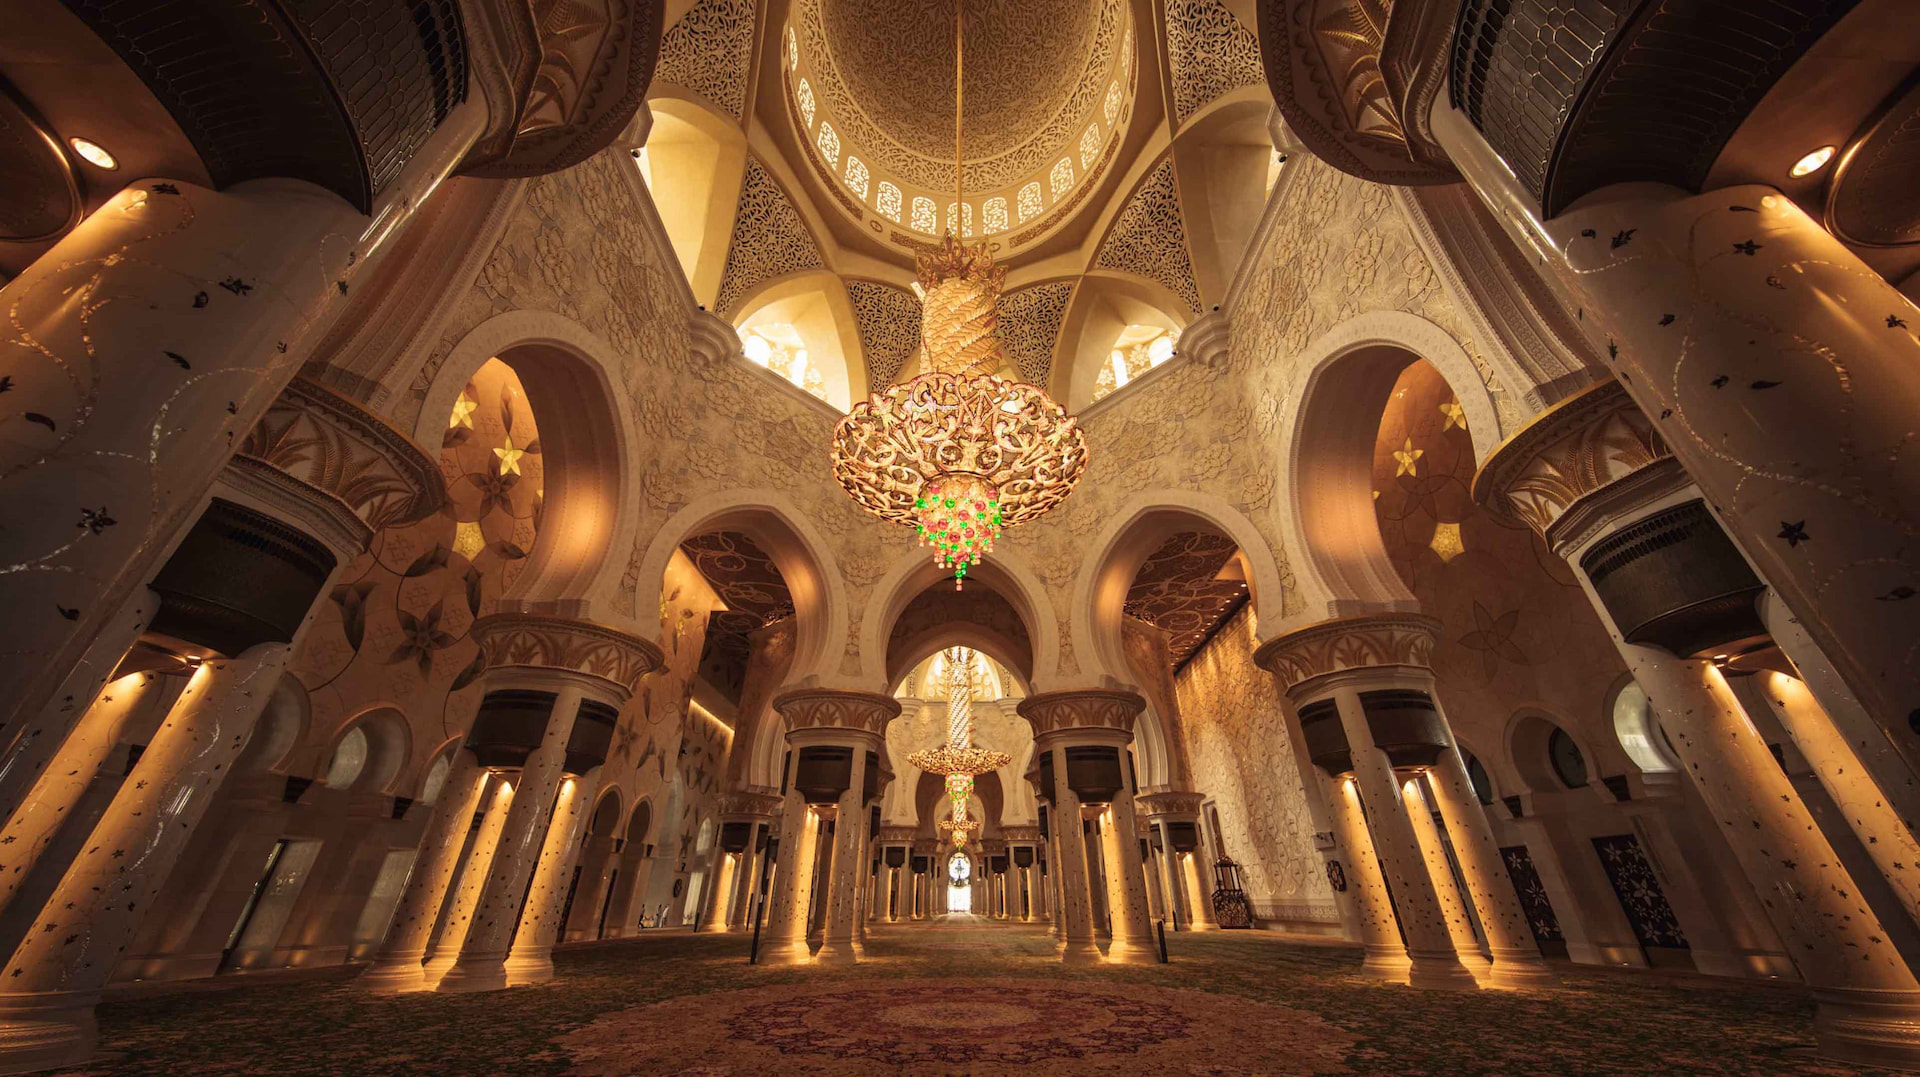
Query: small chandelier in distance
(959, 453)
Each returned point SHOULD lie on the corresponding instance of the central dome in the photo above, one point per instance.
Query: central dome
(1024, 60)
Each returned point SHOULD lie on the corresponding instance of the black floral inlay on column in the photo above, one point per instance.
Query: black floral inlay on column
(1894, 321)
(96, 521)
(1623, 237)
(180, 360)
(164, 188)
(1794, 533)
(1748, 247)
(236, 286)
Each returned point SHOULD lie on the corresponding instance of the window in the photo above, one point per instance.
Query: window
(966, 217)
(780, 348)
(829, 143)
(1636, 725)
(1029, 200)
(1568, 762)
(889, 200)
(923, 219)
(1089, 145)
(1138, 349)
(1477, 776)
(803, 93)
(993, 215)
(349, 759)
(793, 50)
(1111, 107)
(857, 176)
(1061, 177)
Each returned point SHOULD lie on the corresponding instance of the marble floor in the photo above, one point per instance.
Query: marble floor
(961, 996)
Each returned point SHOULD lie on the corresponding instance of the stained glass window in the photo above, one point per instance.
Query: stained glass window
(889, 200)
(1061, 177)
(1029, 200)
(803, 93)
(923, 216)
(993, 215)
(857, 176)
(829, 143)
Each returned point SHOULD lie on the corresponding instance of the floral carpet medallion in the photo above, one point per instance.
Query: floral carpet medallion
(961, 1026)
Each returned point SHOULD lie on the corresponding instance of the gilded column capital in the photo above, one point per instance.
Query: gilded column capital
(557, 645)
(1092, 708)
(897, 834)
(751, 804)
(328, 442)
(1155, 802)
(993, 847)
(1551, 472)
(1023, 834)
(827, 708)
(1379, 640)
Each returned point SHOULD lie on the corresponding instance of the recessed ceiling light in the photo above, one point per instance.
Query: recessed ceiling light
(1812, 162)
(93, 153)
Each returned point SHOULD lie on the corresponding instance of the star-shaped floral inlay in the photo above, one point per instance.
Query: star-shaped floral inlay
(463, 410)
(1748, 247)
(1794, 533)
(1408, 459)
(509, 456)
(1455, 414)
(1493, 638)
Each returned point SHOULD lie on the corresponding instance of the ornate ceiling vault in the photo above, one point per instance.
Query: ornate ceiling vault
(1149, 238)
(1182, 590)
(748, 581)
(769, 240)
(708, 52)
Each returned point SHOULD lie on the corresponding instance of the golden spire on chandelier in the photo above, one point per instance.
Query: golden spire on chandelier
(959, 453)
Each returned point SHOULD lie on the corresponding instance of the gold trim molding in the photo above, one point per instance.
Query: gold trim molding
(1093, 708)
(554, 644)
(1347, 643)
(1585, 443)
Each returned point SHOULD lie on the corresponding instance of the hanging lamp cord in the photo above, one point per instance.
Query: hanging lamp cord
(959, 95)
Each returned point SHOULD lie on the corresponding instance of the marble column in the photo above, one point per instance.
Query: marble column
(1330, 669)
(230, 290)
(1093, 719)
(470, 883)
(1165, 807)
(1199, 894)
(786, 930)
(1781, 371)
(57, 974)
(396, 966)
(1869, 1001)
(1453, 906)
(531, 958)
(1386, 956)
(587, 671)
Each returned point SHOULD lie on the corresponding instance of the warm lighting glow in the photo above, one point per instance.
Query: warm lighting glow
(780, 348)
(1812, 162)
(93, 153)
(1446, 542)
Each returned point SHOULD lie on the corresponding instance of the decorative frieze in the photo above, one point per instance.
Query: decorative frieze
(1155, 801)
(752, 802)
(1548, 472)
(322, 439)
(529, 642)
(1092, 708)
(1392, 639)
(826, 708)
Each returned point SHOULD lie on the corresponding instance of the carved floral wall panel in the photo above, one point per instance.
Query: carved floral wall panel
(1243, 760)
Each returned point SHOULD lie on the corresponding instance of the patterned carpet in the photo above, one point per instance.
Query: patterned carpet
(963, 998)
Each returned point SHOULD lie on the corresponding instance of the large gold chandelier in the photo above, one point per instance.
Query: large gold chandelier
(959, 453)
(958, 759)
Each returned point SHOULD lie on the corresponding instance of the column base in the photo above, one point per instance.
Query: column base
(529, 968)
(786, 953)
(1080, 953)
(477, 973)
(1387, 965)
(1129, 952)
(1440, 973)
(1521, 971)
(1856, 1025)
(392, 976)
(41, 1032)
(833, 952)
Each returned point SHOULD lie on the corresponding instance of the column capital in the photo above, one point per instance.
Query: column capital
(544, 646)
(897, 835)
(828, 708)
(326, 441)
(754, 803)
(1021, 833)
(1092, 708)
(1156, 802)
(1560, 473)
(1348, 643)
(993, 847)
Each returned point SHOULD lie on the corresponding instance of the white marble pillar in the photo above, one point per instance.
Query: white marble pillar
(1126, 883)
(1076, 903)
(1386, 957)
(57, 974)
(1453, 905)
(396, 966)
(471, 882)
(481, 965)
(531, 958)
(786, 930)
(843, 885)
